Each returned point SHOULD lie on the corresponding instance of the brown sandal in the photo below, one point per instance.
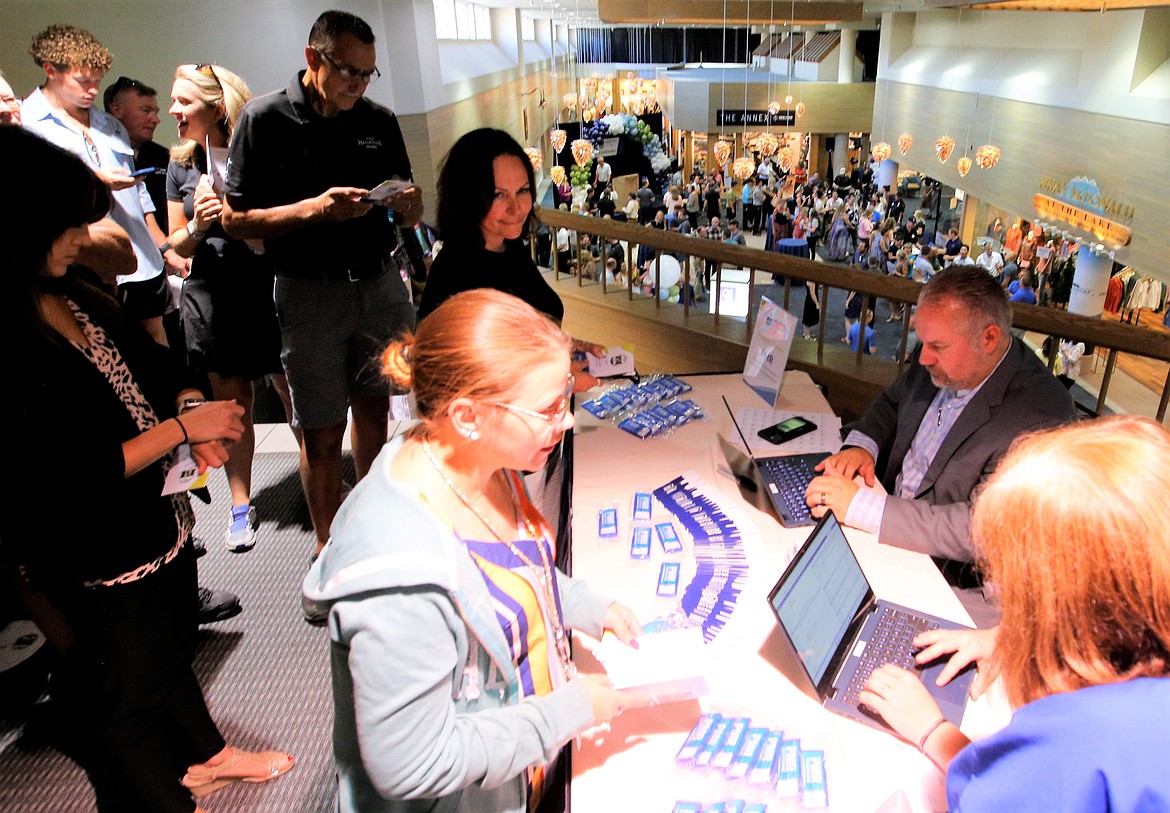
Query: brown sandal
(203, 779)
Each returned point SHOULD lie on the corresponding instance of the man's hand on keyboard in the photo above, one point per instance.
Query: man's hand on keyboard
(830, 492)
(848, 463)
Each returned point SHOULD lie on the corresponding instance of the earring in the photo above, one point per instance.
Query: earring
(472, 435)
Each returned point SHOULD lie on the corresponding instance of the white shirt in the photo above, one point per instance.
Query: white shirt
(991, 263)
(111, 148)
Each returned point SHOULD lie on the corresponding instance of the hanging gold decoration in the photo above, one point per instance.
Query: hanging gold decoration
(582, 151)
(904, 142)
(800, 108)
(557, 173)
(785, 161)
(743, 168)
(881, 151)
(536, 156)
(589, 113)
(569, 101)
(774, 108)
(987, 156)
(768, 144)
(557, 139)
(964, 166)
(722, 152)
(943, 148)
(788, 100)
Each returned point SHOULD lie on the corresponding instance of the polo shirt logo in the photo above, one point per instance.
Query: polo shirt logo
(370, 143)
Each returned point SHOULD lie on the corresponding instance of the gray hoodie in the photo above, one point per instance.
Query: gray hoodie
(427, 715)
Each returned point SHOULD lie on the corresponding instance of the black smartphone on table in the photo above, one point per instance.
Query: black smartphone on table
(787, 430)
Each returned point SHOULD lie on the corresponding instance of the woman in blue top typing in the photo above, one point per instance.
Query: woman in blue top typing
(1081, 562)
(452, 678)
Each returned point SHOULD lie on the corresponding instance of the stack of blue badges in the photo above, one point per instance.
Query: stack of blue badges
(650, 409)
(756, 757)
(720, 565)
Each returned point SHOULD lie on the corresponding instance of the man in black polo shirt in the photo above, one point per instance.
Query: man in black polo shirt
(302, 161)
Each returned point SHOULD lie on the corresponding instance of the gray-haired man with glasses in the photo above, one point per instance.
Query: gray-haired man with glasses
(301, 165)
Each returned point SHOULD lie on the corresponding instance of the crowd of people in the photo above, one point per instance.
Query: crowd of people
(440, 576)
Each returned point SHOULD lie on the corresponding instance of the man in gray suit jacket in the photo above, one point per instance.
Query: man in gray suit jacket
(937, 432)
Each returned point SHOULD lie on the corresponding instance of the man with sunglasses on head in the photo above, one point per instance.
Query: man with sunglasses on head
(61, 111)
(302, 162)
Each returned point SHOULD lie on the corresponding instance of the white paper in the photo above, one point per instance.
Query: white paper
(216, 165)
(667, 666)
(385, 190)
(184, 474)
(826, 437)
(616, 361)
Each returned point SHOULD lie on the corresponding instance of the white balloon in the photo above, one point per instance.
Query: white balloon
(671, 271)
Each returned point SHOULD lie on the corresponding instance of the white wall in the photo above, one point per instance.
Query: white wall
(1078, 61)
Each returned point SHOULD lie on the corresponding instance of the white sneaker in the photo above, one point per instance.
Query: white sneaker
(241, 532)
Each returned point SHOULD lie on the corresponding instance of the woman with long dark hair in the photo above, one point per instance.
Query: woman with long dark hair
(99, 431)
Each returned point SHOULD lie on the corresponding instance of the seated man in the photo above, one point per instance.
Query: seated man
(938, 431)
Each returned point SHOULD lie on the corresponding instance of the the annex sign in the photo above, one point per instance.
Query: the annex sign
(756, 118)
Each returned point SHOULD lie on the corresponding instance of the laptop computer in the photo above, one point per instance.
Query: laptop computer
(785, 479)
(834, 632)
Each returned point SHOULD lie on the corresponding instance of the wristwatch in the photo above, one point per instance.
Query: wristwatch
(190, 403)
(191, 230)
(164, 248)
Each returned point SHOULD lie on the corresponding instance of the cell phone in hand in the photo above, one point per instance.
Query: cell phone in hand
(138, 173)
(787, 430)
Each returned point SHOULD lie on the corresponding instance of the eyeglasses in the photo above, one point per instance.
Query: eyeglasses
(351, 74)
(554, 413)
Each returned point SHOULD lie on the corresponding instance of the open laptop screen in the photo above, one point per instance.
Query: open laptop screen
(819, 596)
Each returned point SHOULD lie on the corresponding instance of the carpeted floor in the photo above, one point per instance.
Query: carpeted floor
(265, 673)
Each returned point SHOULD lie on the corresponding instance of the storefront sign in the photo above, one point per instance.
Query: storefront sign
(758, 118)
(1081, 205)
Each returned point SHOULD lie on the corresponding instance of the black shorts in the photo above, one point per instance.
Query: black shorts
(146, 299)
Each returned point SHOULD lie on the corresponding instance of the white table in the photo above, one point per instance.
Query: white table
(631, 767)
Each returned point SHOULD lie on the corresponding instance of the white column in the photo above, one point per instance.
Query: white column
(1090, 283)
(840, 152)
(848, 52)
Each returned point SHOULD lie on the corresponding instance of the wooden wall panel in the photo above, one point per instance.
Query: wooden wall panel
(1125, 156)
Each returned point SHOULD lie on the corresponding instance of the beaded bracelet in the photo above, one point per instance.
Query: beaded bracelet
(188, 440)
(929, 731)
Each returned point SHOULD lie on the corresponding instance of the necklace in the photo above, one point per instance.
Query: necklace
(543, 575)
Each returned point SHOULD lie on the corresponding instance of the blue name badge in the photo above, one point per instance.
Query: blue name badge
(640, 543)
(763, 770)
(814, 790)
(745, 757)
(697, 738)
(718, 729)
(668, 536)
(732, 741)
(643, 506)
(788, 773)
(607, 520)
(668, 579)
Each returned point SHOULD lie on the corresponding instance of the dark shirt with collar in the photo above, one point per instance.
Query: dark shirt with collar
(157, 156)
(283, 152)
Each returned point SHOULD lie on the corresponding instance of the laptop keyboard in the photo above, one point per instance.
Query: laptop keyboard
(791, 475)
(891, 642)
